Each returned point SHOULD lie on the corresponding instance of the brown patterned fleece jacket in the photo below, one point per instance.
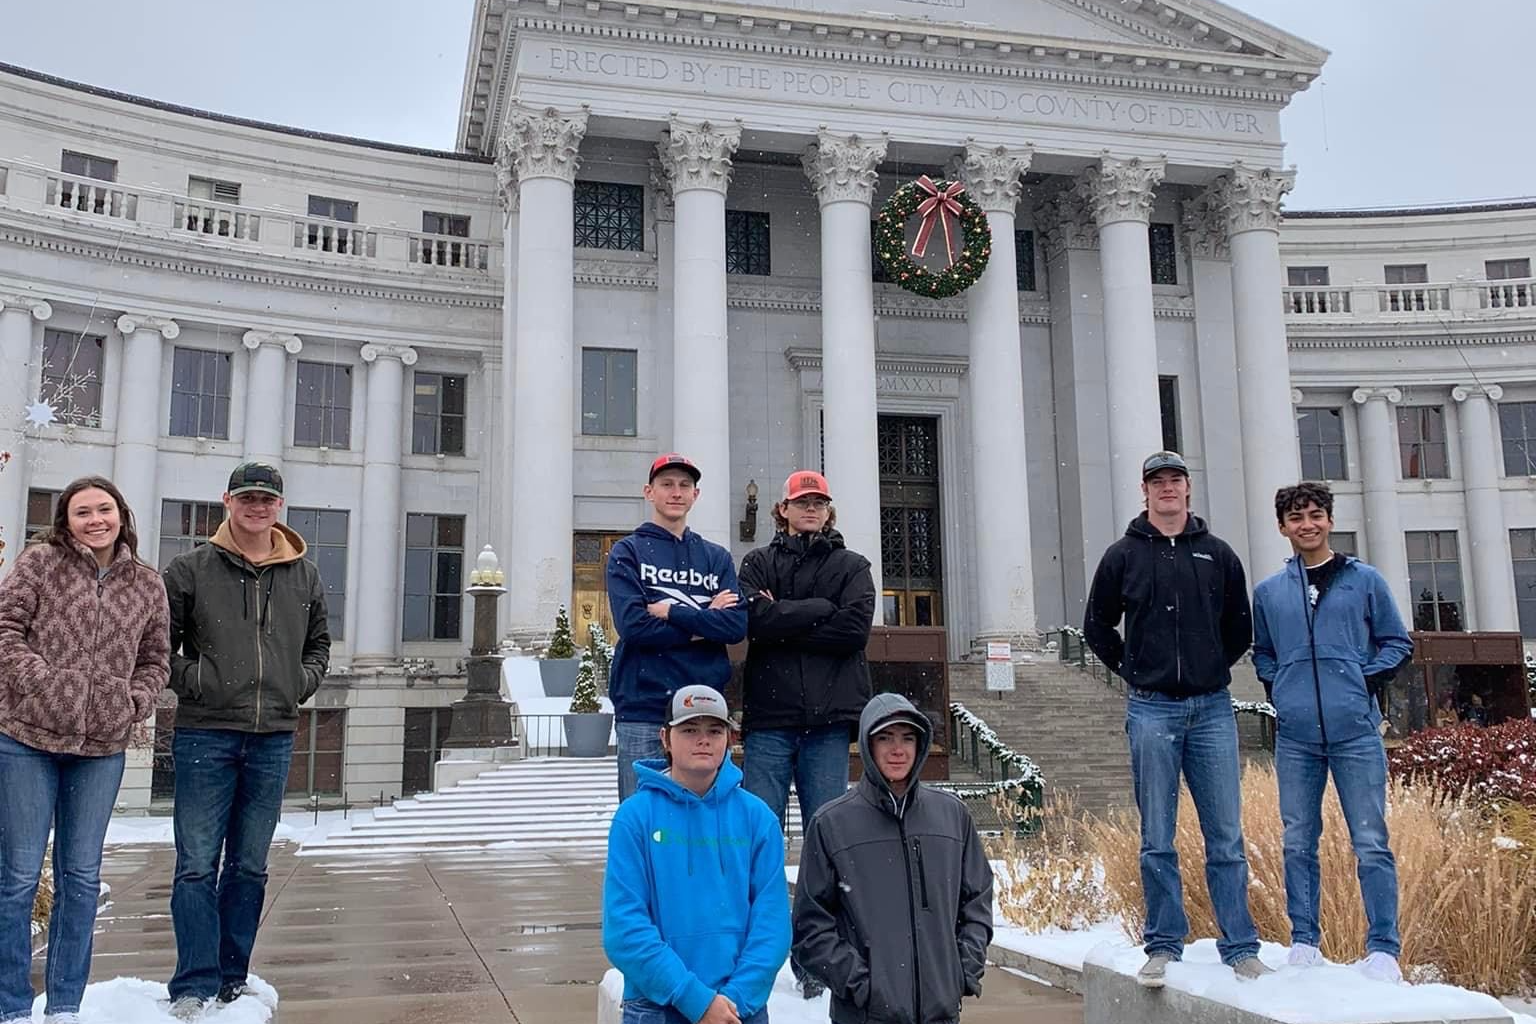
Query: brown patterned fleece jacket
(81, 659)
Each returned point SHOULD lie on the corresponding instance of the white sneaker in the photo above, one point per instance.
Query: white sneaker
(1379, 966)
(186, 1008)
(1303, 955)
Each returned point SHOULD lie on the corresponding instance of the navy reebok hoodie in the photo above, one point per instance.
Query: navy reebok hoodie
(655, 656)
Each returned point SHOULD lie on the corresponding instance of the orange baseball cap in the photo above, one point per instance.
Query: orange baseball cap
(806, 481)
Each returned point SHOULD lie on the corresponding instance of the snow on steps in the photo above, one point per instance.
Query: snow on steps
(538, 803)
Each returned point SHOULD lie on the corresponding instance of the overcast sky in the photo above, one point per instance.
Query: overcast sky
(1422, 101)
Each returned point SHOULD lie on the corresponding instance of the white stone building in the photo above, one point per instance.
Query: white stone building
(656, 235)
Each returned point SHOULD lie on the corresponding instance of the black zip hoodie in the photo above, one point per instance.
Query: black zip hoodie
(1185, 603)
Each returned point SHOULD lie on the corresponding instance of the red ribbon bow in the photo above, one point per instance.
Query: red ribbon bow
(939, 206)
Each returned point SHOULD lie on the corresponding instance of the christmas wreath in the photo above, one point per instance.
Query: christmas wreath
(941, 204)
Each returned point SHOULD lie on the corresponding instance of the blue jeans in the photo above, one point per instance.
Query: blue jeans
(816, 759)
(643, 1011)
(1196, 736)
(1359, 769)
(75, 796)
(229, 795)
(637, 741)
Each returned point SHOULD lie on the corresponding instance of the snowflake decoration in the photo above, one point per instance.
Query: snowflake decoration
(40, 414)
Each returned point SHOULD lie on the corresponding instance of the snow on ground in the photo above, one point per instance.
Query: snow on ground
(132, 1001)
(785, 1006)
(293, 827)
(1330, 994)
(1523, 1009)
(1063, 948)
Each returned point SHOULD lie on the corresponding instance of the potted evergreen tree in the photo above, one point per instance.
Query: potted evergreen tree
(587, 726)
(557, 667)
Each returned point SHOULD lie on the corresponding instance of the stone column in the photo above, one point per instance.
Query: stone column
(1386, 548)
(1120, 193)
(267, 398)
(136, 459)
(842, 170)
(999, 473)
(544, 144)
(507, 195)
(696, 158)
(1493, 580)
(664, 215)
(1271, 460)
(17, 314)
(379, 574)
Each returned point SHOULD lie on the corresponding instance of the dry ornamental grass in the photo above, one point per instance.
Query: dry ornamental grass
(1466, 880)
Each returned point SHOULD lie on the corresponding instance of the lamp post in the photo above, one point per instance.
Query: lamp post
(482, 719)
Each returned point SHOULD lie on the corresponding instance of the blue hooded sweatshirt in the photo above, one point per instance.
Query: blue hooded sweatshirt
(1318, 659)
(694, 897)
(656, 656)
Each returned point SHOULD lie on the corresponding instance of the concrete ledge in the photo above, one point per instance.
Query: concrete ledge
(1056, 975)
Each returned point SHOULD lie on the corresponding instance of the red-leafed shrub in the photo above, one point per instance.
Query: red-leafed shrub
(1496, 763)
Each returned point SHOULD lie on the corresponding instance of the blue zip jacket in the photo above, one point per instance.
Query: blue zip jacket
(694, 897)
(656, 656)
(1354, 632)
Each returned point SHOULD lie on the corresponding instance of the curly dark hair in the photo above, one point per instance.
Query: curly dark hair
(781, 521)
(1298, 497)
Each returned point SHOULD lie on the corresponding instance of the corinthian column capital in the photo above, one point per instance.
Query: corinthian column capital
(993, 174)
(40, 309)
(545, 143)
(842, 167)
(372, 352)
(697, 154)
(1121, 190)
(1065, 222)
(168, 329)
(1205, 227)
(289, 343)
(1251, 198)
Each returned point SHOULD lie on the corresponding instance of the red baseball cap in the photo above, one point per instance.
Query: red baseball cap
(806, 481)
(672, 460)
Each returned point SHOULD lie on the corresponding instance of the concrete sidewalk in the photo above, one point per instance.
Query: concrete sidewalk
(496, 936)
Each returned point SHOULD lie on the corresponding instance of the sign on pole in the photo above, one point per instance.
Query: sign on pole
(1000, 666)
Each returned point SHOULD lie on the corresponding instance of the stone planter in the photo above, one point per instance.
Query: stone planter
(587, 735)
(558, 676)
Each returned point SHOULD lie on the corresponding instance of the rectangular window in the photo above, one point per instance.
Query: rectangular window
(333, 209)
(213, 190)
(1507, 270)
(1344, 542)
(1321, 435)
(1517, 425)
(608, 391)
(200, 393)
(1421, 441)
(610, 215)
(426, 730)
(1434, 580)
(434, 577)
(72, 376)
(1168, 406)
(437, 414)
(40, 508)
(1522, 546)
(1306, 277)
(322, 406)
(319, 746)
(747, 238)
(325, 536)
(877, 271)
(83, 165)
(454, 224)
(1406, 273)
(185, 525)
(1024, 257)
(1165, 254)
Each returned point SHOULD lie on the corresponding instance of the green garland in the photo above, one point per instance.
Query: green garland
(891, 245)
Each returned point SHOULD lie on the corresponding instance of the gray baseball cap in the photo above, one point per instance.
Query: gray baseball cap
(698, 701)
(1158, 461)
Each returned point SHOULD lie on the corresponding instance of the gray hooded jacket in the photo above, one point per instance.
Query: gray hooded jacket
(884, 958)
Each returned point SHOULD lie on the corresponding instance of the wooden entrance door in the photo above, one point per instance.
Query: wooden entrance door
(910, 535)
(589, 588)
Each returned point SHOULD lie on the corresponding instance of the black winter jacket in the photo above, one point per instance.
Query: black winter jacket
(1185, 603)
(893, 904)
(805, 660)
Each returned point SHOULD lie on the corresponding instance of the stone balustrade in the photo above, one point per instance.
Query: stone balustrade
(88, 195)
(449, 251)
(220, 220)
(1519, 294)
(1311, 301)
(340, 238)
(1455, 300)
